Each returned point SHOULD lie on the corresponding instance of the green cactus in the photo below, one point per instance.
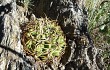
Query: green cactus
(44, 39)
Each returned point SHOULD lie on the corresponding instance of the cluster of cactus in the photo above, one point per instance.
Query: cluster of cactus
(43, 39)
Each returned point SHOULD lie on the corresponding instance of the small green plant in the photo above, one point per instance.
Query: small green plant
(26, 4)
(43, 39)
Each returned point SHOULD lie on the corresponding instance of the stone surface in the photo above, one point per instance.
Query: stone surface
(80, 54)
(11, 50)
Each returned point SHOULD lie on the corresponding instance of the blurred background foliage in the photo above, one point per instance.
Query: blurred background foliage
(99, 26)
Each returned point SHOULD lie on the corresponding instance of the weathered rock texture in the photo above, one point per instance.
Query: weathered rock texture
(11, 50)
(72, 17)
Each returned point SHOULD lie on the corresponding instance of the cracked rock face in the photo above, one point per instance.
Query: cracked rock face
(80, 53)
(72, 17)
(11, 51)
